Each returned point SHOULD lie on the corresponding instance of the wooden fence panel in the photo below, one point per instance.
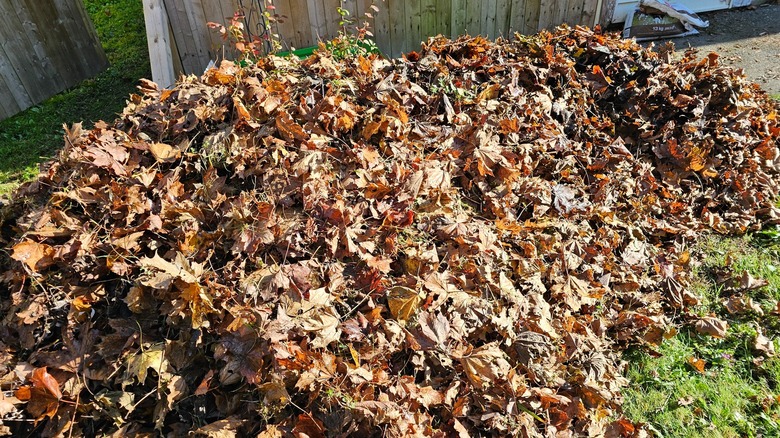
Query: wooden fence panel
(443, 16)
(458, 21)
(532, 12)
(398, 26)
(503, 17)
(46, 46)
(428, 19)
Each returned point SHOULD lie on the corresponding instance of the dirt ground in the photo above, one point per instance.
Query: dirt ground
(745, 38)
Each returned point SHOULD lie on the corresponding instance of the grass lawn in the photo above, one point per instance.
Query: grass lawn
(737, 394)
(36, 134)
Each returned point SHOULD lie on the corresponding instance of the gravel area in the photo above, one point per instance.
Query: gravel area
(747, 38)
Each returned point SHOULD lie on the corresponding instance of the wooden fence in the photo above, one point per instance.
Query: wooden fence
(177, 29)
(46, 46)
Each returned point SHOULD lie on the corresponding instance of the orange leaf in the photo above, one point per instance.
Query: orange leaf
(37, 256)
(44, 396)
(697, 364)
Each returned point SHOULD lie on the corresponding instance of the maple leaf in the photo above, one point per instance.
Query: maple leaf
(316, 315)
(486, 365)
(243, 354)
(37, 256)
(403, 302)
(43, 397)
(138, 365)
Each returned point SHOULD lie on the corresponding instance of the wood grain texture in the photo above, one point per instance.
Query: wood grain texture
(159, 43)
(532, 10)
(46, 46)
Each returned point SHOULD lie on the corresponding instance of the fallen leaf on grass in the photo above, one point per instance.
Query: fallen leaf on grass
(685, 401)
(763, 345)
(712, 326)
(697, 364)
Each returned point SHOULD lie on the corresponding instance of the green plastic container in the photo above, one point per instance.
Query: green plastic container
(300, 53)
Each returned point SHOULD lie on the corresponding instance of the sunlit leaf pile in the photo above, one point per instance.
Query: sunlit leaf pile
(456, 243)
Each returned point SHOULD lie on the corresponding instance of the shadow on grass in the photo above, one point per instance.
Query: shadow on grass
(35, 135)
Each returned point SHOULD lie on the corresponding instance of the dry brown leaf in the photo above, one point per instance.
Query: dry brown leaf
(763, 345)
(37, 256)
(43, 396)
(164, 153)
(697, 364)
(712, 326)
(486, 365)
(226, 428)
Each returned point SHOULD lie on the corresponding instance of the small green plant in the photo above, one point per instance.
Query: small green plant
(353, 41)
(249, 47)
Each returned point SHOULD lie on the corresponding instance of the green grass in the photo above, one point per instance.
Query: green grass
(738, 394)
(36, 134)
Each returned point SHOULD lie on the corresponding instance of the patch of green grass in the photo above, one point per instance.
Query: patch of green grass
(34, 135)
(738, 393)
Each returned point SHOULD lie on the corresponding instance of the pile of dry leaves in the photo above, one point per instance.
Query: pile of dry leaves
(459, 242)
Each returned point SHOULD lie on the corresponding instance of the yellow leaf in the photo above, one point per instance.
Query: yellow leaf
(355, 355)
(138, 365)
(403, 302)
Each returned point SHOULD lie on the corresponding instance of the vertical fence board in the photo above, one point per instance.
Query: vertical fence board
(186, 46)
(46, 46)
(83, 48)
(17, 50)
(474, 17)
(315, 20)
(200, 32)
(546, 14)
(412, 24)
(9, 107)
(159, 43)
(381, 29)
(589, 13)
(532, 11)
(16, 91)
(443, 17)
(574, 13)
(332, 18)
(286, 24)
(427, 19)
(397, 30)
(50, 43)
(299, 16)
(517, 17)
(559, 13)
(458, 18)
(503, 16)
